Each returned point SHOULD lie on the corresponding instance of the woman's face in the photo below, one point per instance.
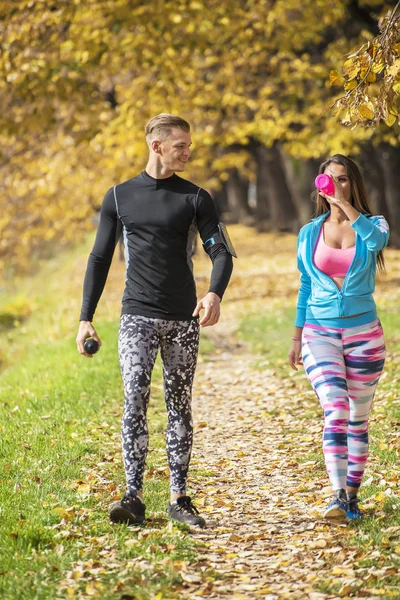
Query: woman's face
(341, 179)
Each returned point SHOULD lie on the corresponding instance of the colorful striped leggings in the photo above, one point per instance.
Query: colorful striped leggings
(344, 366)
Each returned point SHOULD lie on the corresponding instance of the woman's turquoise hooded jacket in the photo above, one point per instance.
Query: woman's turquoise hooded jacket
(319, 297)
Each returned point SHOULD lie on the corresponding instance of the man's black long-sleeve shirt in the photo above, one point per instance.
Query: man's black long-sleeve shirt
(159, 219)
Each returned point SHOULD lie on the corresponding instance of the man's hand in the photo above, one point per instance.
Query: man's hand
(85, 331)
(210, 303)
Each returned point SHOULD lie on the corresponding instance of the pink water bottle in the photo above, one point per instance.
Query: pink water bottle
(324, 183)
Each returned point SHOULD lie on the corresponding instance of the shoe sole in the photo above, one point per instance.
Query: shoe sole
(121, 515)
(336, 515)
(202, 524)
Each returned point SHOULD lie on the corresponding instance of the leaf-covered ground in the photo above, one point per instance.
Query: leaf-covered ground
(257, 472)
(259, 431)
(259, 439)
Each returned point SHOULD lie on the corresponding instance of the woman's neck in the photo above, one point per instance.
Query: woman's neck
(337, 215)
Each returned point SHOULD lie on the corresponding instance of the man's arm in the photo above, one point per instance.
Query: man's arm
(207, 222)
(97, 269)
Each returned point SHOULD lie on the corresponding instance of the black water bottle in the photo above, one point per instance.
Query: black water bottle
(91, 346)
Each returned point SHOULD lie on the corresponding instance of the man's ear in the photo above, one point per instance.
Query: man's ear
(156, 146)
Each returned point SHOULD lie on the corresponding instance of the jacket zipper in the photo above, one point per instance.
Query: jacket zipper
(347, 278)
(340, 292)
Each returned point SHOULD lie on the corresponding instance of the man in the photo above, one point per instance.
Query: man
(158, 213)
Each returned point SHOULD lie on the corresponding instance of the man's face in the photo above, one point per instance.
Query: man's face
(175, 150)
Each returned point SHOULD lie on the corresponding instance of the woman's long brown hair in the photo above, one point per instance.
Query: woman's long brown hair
(359, 197)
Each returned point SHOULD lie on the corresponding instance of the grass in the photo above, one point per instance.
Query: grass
(61, 465)
(265, 332)
(60, 458)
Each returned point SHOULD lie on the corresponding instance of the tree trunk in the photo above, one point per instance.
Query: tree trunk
(300, 177)
(375, 179)
(263, 212)
(390, 160)
(237, 195)
(274, 199)
(220, 198)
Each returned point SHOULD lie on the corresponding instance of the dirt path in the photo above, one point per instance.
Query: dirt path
(257, 447)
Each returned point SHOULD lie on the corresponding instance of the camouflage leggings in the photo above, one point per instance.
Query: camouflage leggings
(139, 341)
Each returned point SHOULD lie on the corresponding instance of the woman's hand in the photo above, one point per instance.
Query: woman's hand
(295, 354)
(342, 196)
(339, 200)
(341, 193)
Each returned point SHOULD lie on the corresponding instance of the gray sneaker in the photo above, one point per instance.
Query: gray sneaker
(184, 511)
(336, 512)
(129, 510)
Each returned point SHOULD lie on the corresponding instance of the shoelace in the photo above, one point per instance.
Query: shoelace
(129, 499)
(353, 504)
(187, 506)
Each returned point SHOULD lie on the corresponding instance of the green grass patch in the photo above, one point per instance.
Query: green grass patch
(60, 467)
(269, 335)
(61, 460)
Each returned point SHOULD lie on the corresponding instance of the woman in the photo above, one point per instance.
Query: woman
(337, 335)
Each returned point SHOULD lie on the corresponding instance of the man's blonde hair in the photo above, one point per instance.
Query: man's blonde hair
(160, 127)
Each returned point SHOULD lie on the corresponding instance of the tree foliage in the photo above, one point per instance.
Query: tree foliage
(80, 79)
(371, 77)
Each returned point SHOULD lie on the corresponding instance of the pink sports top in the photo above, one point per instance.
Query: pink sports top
(334, 262)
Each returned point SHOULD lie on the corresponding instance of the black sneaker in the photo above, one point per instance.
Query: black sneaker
(183, 510)
(128, 510)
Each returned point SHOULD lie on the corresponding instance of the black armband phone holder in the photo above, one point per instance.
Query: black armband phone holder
(220, 237)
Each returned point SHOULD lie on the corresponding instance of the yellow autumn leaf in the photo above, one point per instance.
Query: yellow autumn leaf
(394, 68)
(84, 488)
(345, 589)
(77, 573)
(61, 512)
(351, 68)
(365, 111)
(93, 588)
(390, 120)
(350, 85)
(348, 64)
(335, 78)
(380, 497)
(378, 67)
